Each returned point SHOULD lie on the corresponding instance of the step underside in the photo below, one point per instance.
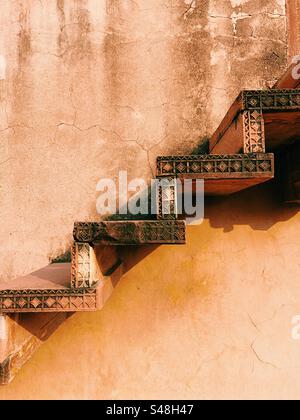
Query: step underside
(259, 121)
(87, 283)
(223, 174)
(290, 159)
(47, 290)
(290, 173)
(131, 232)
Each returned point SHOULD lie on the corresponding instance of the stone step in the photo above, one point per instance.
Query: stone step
(259, 121)
(222, 174)
(48, 290)
(93, 264)
(131, 232)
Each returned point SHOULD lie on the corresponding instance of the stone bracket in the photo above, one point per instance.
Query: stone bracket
(81, 275)
(222, 174)
(254, 132)
(32, 300)
(167, 198)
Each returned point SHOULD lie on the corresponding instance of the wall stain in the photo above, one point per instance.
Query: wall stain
(190, 77)
(24, 37)
(63, 39)
(83, 42)
(113, 51)
(23, 74)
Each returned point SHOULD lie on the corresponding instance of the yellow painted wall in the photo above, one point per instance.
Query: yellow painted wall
(211, 319)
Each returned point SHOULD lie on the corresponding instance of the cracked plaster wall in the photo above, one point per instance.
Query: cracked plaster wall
(92, 87)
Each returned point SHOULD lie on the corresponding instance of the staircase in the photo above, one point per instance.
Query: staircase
(241, 155)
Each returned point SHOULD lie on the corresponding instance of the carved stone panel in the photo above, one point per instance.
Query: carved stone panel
(215, 166)
(222, 174)
(167, 199)
(271, 100)
(81, 266)
(47, 290)
(33, 300)
(92, 264)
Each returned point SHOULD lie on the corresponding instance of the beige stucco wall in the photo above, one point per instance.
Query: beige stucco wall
(94, 87)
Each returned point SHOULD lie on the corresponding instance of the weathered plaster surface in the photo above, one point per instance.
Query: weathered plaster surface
(95, 86)
(213, 320)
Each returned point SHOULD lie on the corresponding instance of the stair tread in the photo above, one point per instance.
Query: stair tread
(280, 108)
(46, 290)
(223, 174)
(131, 232)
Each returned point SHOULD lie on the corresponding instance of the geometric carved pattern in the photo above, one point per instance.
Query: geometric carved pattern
(131, 232)
(271, 100)
(254, 132)
(255, 103)
(290, 173)
(81, 266)
(243, 127)
(13, 301)
(167, 199)
(216, 166)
